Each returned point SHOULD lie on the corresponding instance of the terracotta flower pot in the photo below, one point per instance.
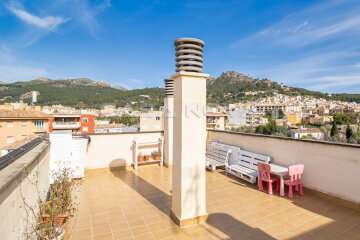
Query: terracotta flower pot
(140, 158)
(147, 157)
(60, 219)
(156, 157)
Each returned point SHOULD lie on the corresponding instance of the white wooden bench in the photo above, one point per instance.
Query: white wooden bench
(245, 166)
(216, 155)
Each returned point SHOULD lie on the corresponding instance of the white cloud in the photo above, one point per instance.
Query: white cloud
(322, 22)
(320, 72)
(335, 81)
(5, 55)
(13, 73)
(49, 22)
(135, 80)
(84, 12)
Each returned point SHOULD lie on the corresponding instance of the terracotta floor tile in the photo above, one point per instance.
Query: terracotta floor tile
(126, 233)
(124, 204)
(100, 229)
(146, 236)
(140, 230)
(81, 234)
(107, 236)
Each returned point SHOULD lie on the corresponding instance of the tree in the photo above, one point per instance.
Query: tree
(342, 118)
(281, 114)
(334, 130)
(269, 128)
(349, 132)
(259, 129)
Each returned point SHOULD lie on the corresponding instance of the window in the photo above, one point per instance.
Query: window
(144, 118)
(157, 118)
(85, 129)
(9, 124)
(10, 139)
(157, 127)
(23, 124)
(40, 124)
(144, 127)
(85, 120)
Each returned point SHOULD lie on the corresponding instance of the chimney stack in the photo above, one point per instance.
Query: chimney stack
(189, 131)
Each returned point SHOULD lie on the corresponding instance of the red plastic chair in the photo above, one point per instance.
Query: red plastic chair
(295, 179)
(264, 175)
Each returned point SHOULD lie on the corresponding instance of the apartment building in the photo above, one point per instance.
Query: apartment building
(19, 106)
(284, 107)
(152, 121)
(16, 125)
(307, 132)
(245, 117)
(76, 122)
(216, 120)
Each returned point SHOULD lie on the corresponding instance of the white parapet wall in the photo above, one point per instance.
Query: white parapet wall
(17, 189)
(116, 149)
(330, 168)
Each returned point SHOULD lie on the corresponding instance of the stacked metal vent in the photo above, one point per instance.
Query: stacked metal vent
(189, 54)
(169, 87)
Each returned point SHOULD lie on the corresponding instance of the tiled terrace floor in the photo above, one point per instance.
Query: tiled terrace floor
(135, 205)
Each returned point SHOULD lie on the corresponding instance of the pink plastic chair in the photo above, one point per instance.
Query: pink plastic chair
(295, 179)
(264, 175)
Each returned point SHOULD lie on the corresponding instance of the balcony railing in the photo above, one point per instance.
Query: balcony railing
(66, 125)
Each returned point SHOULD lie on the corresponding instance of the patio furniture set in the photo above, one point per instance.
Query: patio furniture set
(254, 167)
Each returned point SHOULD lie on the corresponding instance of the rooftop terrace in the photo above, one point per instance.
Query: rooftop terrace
(129, 204)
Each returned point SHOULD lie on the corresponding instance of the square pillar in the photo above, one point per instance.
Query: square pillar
(188, 177)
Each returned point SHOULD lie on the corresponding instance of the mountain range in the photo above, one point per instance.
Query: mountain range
(229, 87)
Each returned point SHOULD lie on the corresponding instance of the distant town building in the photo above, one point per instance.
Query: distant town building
(114, 128)
(16, 125)
(78, 123)
(284, 107)
(216, 120)
(60, 109)
(293, 119)
(245, 117)
(152, 121)
(307, 132)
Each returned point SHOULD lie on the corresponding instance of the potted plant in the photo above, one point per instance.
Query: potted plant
(59, 205)
(140, 157)
(53, 211)
(147, 157)
(156, 155)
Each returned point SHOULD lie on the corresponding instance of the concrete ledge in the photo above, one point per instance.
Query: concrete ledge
(17, 168)
(332, 198)
(189, 221)
(287, 138)
(119, 133)
(108, 169)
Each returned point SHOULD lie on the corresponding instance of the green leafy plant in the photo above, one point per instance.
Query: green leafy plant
(155, 153)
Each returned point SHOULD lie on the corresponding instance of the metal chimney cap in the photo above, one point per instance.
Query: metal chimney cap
(189, 40)
(189, 54)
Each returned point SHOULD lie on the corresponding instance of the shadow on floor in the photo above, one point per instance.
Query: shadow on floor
(224, 223)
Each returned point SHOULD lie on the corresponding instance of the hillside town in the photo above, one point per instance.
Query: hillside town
(292, 116)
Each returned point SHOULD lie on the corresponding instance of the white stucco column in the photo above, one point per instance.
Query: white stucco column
(168, 129)
(188, 177)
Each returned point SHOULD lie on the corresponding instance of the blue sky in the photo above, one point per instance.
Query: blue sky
(303, 43)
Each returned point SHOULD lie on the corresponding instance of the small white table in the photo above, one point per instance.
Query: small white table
(281, 172)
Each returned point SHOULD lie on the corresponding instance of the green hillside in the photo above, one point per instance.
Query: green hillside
(230, 87)
(80, 93)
